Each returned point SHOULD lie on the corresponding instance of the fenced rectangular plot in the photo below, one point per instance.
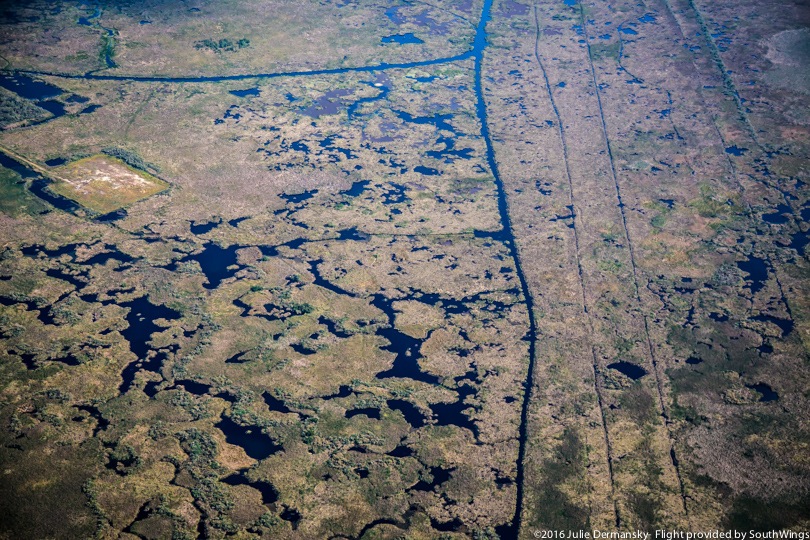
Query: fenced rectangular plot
(104, 184)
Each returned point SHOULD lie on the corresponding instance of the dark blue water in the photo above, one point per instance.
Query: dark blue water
(334, 71)
(757, 269)
(248, 92)
(402, 39)
(112, 254)
(405, 347)
(778, 217)
(23, 170)
(334, 328)
(75, 98)
(272, 251)
(94, 412)
(43, 312)
(785, 325)
(401, 452)
(140, 318)
(357, 188)
(144, 513)
(29, 88)
(736, 150)
(321, 282)
(193, 387)
(202, 228)
(406, 361)
(329, 103)
(305, 349)
(55, 162)
(411, 412)
(296, 198)
(439, 120)
(275, 404)
(404, 524)
(450, 153)
(768, 394)
(269, 492)
(453, 414)
(343, 392)
(453, 525)
(353, 234)
(89, 109)
(630, 370)
(38, 91)
(395, 194)
(35, 249)
(236, 221)
(328, 142)
(299, 146)
(506, 531)
(382, 84)
(38, 185)
(238, 358)
(27, 359)
(215, 262)
(367, 411)
(73, 279)
(250, 438)
(114, 216)
(798, 241)
(435, 478)
(427, 171)
(291, 515)
(92, 20)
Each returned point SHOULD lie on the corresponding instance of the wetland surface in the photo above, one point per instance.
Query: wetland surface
(378, 270)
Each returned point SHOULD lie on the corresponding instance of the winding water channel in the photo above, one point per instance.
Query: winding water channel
(479, 45)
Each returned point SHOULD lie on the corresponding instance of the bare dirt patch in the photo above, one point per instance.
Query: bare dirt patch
(104, 184)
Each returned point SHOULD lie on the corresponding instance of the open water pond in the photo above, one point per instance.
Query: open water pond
(248, 92)
(402, 39)
(250, 438)
(268, 490)
(768, 394)
(757, 270)
(141, 320)
(628, 369)
(216, 263)
(29, 88)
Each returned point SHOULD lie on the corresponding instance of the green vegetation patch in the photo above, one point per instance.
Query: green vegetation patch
(14, 198)
(557, 507)
(130, 158)
(600, 51)
(16, 110)
(223, 45)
